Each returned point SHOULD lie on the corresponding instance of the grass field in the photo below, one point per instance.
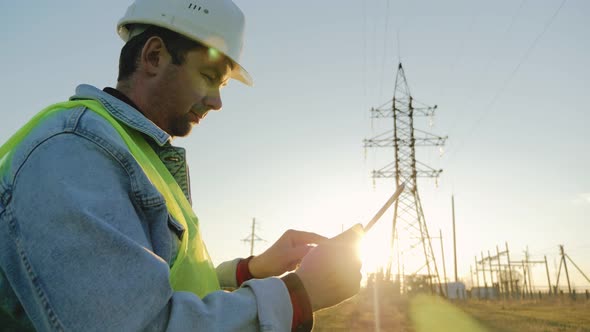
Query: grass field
(545, 316)
(432, 314)
(423, 313)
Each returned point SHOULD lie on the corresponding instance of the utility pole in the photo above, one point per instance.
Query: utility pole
(252, 237)
(501, 286)
(408, 214)
(454, 238)
(548, 280)
(442, 250)
(509, 269)
(483, 270)
(531, 290)
(562, 253)
(476, 272)
(524, 283)
(491, 271)
(471, 275)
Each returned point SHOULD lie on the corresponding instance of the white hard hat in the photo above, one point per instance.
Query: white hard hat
(215, 23)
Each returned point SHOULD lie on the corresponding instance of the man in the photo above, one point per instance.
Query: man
(96, 228)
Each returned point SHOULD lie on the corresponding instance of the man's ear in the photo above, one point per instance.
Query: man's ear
(154, 56)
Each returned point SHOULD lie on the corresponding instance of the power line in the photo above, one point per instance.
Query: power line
(364, 51)
(384, 49)
(459, 55)
(491, 60)
(509, 79)
(375, 57)
(399, 48)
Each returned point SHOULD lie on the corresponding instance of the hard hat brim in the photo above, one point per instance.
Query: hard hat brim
(242, 75)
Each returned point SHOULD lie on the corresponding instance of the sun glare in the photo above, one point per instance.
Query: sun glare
(374, 251)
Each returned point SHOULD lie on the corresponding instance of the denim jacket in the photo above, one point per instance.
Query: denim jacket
(86, 242)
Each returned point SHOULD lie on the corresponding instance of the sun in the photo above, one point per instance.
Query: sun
(374, 252)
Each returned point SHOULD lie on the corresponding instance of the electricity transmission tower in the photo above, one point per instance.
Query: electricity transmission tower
(409, 224)
(252, 237)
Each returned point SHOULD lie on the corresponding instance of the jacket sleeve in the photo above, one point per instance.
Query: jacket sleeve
(82, 252)
(226, 273)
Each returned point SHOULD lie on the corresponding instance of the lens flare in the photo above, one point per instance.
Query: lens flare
(213, 54)
(433, 314)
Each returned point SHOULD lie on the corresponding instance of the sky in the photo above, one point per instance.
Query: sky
(510, 79)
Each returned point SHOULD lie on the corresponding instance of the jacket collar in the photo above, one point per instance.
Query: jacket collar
(123, 112)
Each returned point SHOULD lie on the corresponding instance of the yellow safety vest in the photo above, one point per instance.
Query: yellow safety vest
(192, 270)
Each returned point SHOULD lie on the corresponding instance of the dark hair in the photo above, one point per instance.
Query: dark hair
(176, 44)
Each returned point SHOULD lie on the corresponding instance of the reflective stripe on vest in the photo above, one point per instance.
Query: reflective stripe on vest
(192, 270)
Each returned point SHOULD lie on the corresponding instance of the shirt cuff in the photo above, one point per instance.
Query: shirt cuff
(302, 312)
(243, 272)
(226, 273)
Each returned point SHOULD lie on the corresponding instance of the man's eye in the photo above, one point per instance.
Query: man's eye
(208, 78)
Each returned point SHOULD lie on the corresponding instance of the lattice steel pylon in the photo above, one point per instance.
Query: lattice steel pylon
(409, 223)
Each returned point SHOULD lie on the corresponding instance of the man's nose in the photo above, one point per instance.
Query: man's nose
(213, 100)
